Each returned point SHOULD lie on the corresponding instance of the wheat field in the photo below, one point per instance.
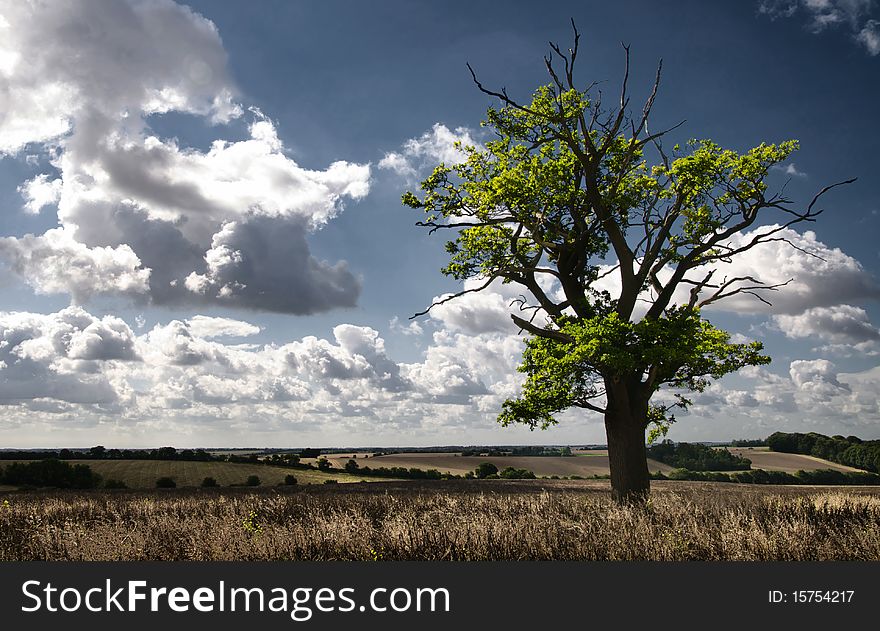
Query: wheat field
(455, 520)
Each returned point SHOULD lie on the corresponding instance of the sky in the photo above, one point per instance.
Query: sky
(202, 242)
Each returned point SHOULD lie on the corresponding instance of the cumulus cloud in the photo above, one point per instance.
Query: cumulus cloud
(820, 275)
(817, 378)
(815, 275)
(822, 15)
(210, 327)
(56, 357)
(485, 311)
(55, 262)
(264, 263)
(39, 192)
(95, 73)
(429, 149)
(843, 326)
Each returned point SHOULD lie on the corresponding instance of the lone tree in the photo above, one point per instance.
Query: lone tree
(564, 196)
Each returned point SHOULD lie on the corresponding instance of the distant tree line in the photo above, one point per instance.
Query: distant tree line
(850, 450)
(697, 457)
(99, 452)
(528, 450)
(760, 476)
(749, 442)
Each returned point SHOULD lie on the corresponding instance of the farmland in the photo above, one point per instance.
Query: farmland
(445, 520)
(762, 458)
(142, 474)
(586, 463)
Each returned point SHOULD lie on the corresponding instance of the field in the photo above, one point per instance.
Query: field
(763, 458)
(445, 520)
(584, 463)
(142, 474)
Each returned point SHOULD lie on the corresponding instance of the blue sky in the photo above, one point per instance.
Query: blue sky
(202, 241)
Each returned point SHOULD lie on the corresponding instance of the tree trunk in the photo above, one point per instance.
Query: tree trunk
(625, 429)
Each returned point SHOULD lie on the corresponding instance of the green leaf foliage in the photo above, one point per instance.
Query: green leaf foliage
(568, 191)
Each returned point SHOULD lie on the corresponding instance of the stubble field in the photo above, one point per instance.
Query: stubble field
(446, 520)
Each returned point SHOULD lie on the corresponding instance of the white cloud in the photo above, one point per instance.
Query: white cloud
(58, 357)
(429, 149)
(845, 327)
(56, 263)
(817, 378)
(211, 327)
(486, 311)
(790, 169)
(820, 275)
(869, 37)
(411, 329)
(82, 61)
(824, 14)
(39, 192)
(96, 71)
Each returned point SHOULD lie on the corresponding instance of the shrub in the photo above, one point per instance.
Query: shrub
(324, 464)
(209, 482)
(485, 469)
(115, 484)
(165, 482)
(511, 473)
(289, 480)
(330, 481)
(252, 480)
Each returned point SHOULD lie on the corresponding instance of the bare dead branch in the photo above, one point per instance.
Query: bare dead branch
(437, 303)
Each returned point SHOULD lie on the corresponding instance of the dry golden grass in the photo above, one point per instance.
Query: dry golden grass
(454, 520)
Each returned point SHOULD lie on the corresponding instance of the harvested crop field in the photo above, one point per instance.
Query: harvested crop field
(142, 474)
(763, 458)
(446, 520)
(585, 465)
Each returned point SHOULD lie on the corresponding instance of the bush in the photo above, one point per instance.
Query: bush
(330, 481)
(252, 480)
(511, 473)
(209, 482)
(324, 464)
(165, 482)
(115, 484)
(485, 469)
(290, 480)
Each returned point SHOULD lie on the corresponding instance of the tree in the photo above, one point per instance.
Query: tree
(563, 197)
(485, 469)
(323, 464)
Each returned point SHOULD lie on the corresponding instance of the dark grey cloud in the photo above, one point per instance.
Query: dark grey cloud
(264, 263)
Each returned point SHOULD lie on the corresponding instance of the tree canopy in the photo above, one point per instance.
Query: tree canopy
(571, 191)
